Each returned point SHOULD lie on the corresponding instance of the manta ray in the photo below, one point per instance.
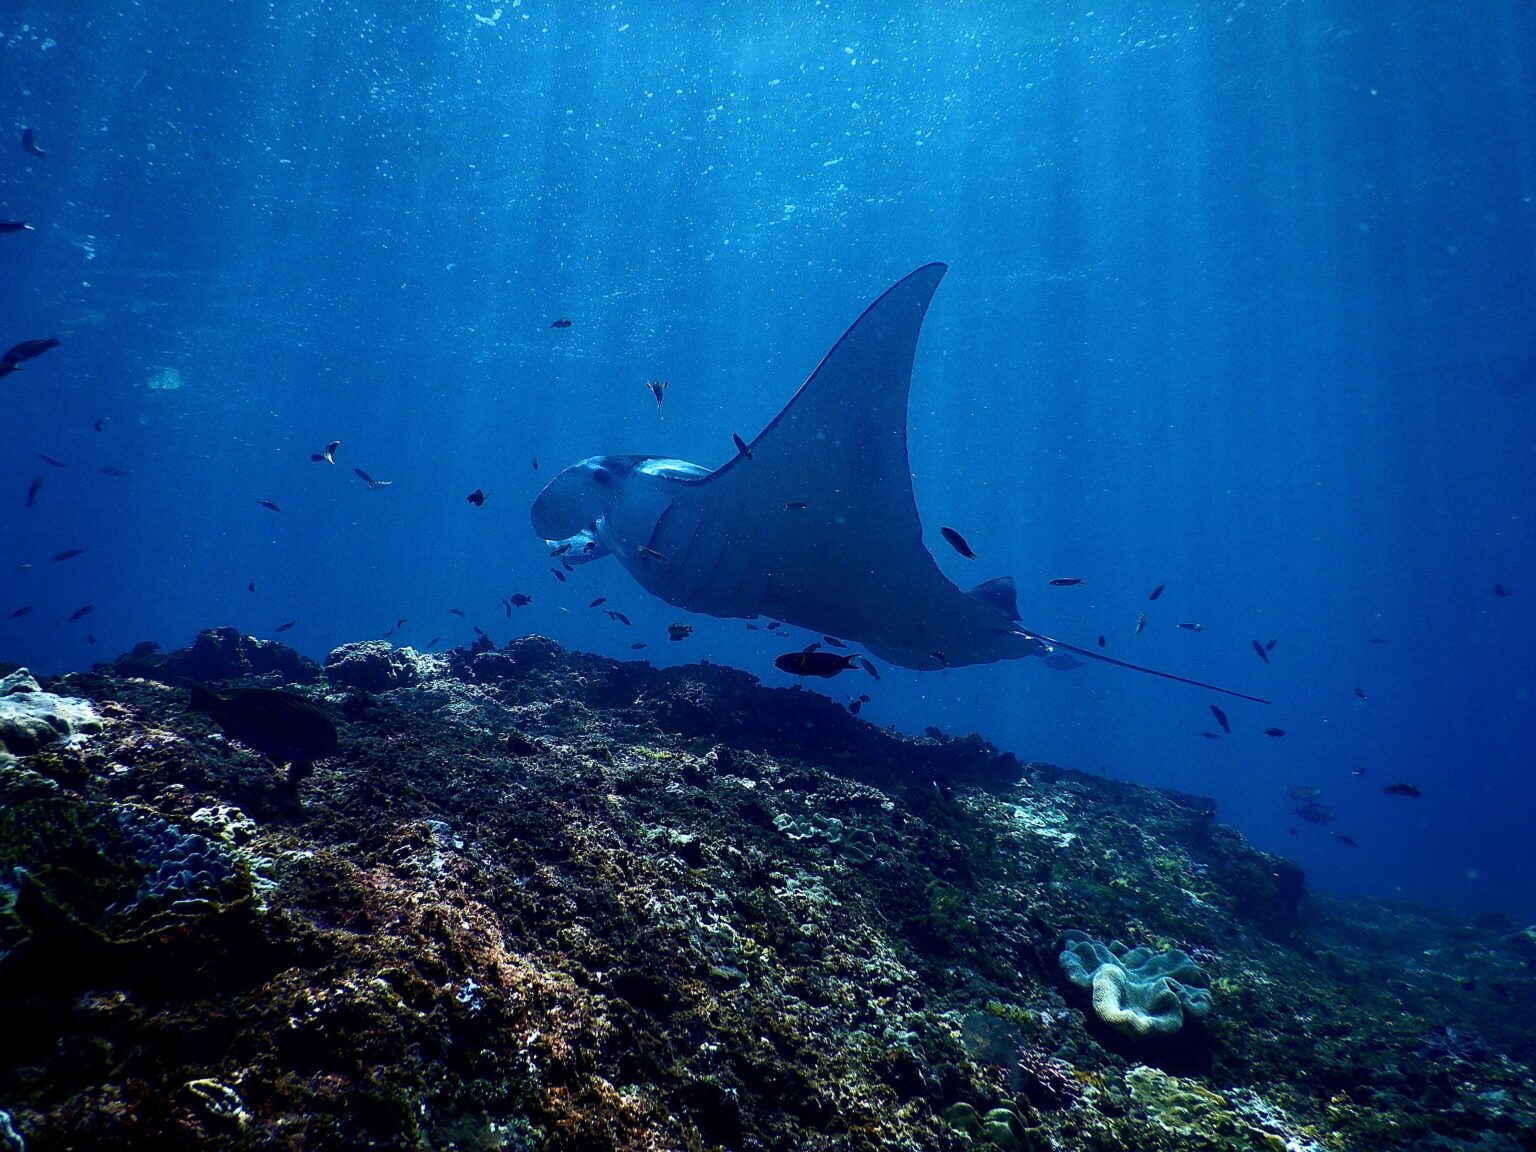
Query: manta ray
(813, 523)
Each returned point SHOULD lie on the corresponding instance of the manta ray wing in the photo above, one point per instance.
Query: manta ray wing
(818, 525)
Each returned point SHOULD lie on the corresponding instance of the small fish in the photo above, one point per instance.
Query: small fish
(833, 642)
(618, 616)
(285, 627)
(327, 455)
(387, 633)
(658, 389)
(1101, 641)
(679, 631)
(1211, 735)
(598, 602)
(1067, 582)
(1191, 626)
(27, 350)
(53, 460)
(1314, 813)
(588, 546)
(370, 481)
(854, 707)
(459, 612)
(69, 554)
(560, 549)
(1276, 732)
(32, 488)
(869, 667)
(81, 613)
(1156, 592)
(1270, 647)
(434, 642)
(477, 498)
(774, 625)
(1347, 841)
(114, 470)
(479, 631)
(20, 612)
(1221, 718)
(751, 627)
(1303, 792)
(957, 542)
(15, 226)
(942, 658)
(282, 726)
(400, 623)
(29, 144)
(269, 505)
(99, 423)
(1141, 622)
(1500, 591)
(637, 645)
(559, 575)
(250, 587)
(535, 463)
(1360, 771)
(652, 553)
(812, 662)
(1259, 650)
(741, 446)
(1402, 790)
(1360, 694)
(1377, 640)
(517, 600)
(563, 322)
(796, 506)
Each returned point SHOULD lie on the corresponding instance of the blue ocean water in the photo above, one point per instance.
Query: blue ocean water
(1240, 303)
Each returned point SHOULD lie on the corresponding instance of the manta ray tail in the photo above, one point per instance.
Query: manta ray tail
(1139, 668)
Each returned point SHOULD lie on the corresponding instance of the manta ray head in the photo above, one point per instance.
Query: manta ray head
(579, 496)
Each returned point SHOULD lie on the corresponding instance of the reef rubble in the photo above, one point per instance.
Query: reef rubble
(547, 900)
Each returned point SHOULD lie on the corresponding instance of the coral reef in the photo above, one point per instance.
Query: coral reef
(1137, 992)
(542, 900)
(31, 719)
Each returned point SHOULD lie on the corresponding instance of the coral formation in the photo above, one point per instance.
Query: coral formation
(31, 719)
(541, 900)
(1137, 992)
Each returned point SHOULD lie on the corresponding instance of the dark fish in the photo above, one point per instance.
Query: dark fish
(658, 389)
(864, 697)
(477, 498)
(796, 506)
(957, 542)
(433, 643)
(15, 226)
(812, 662)
(518, 600)
(27, 350)
(1347, 841)
(370, 481)
(639, 644)
(741, 446)
(100, 423)
(1067, 581)
(328, 455)
(1274, 732)
(250, 587)
(29, 144)
(600, 600)
(560, 323)
(1402, 790)
(1190, 626)
(1221, 718)
(69, 554)
(1101, 641)
(535, 463)
(81, 613)
(459, 612)
(1500, 591)
(479, 631)
(1156, 592)
(559, 575)
(1314, 813)
(285, 627)
(619, 616)
(834, 642)
(560, 549)
(1303, 792)
(1270, 647)
(588, 546)
(854, 707)
(1377, 640)
(269, 505)
(37, 482)
(54, 460)
(774, 625)
(679, 631)
(1211, 735)
(751, 627)
(869, 667)
(114, 470)
(20, 612)
(283, 726)
(400, 623)
(1259, 649)
(1360, 693)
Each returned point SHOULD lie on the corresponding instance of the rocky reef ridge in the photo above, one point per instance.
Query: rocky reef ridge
(544, 900)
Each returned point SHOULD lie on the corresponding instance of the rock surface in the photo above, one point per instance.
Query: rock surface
(546, 900)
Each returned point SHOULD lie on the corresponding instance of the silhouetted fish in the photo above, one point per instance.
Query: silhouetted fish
(81, 613)
(1190, 626)
(1377, 640)
(285, 627)
(1303, 792)
(370, 481)
(1347, 841)
(53, 460)
(796, 506)
(957, 542)
(1221, 718)
(1259, 649)
(1500, 591)
(563, 322)
(14, 226)
(618, 616)
(1101, 641)
(1270, 647)
(813, 662)
(679, 631)
(518, 600)
(250, 587)
(282, 726)
(99, 423)
(1156, 592)
(869, 667)
(1274, 732)
(774, 625)
(1211, 735)
(559, 575)
(1402, 790)
(327, 455)
(560, 549)
(459, 612)
(834, 642)
(658, 389)
(69, 554)
(1067, 581)
(741, 446)
(1314, 813)
(1360, 693)
(535, 463)
(854, 707)
(29, 144)
(19, 354)
(639, 644)
(269, 505)
(114, 470)
(32, 488)
(20, 612)
(477, 498)
(598, 601)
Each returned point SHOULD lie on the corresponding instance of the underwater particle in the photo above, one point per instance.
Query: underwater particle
(563, 322)
(282, 726)
(269, 505)
(1067, 582)
(1276, 732)
(165, 380)
(326, 455)
(679, 631)
(1221, 718)
(1402, 790)
(957, 542)
(29, 144)
(373, 485)
(32, 490)
(1141, 622)
(741, 446)
(813, 662)
(477, 498)
(1156, 592)
(81, 613)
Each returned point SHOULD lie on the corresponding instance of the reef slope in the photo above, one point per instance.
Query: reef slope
(548, 900)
